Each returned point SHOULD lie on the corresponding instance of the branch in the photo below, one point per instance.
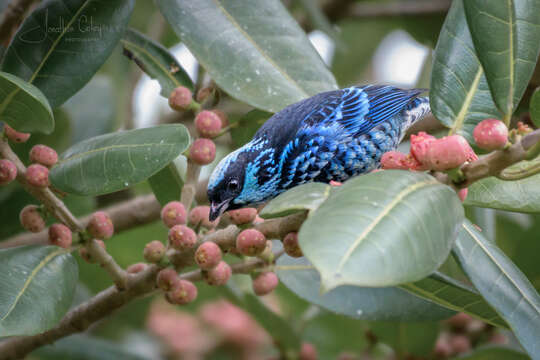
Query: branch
(13, 17)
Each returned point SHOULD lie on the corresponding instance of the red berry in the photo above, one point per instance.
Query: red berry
(154, 251)
(100, 225)
(265, 283)
(208, 255)
(173, 213)
(222, 116)
(462, 193)
(243, 216)
(14, 135)
(183, 292)
(31, 219)
(199, 215)
(208, 124)
(448, 153)
(491, 134)
(250, 242)
(394, 160)
(182, 237)
(85, 254)
(219, 275)
(308, 352)
(166, 278)
(180, 98)
(8, 172)
(420, 144)
(202, 151)
(291, 246)
(136, 268)
(43, 155)
(60, 235)
(37, 175)
(412, 164)
(335, 183)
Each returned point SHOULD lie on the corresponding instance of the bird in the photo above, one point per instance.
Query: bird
(331, 136)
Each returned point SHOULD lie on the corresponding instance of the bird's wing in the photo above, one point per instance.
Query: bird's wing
(358, 109)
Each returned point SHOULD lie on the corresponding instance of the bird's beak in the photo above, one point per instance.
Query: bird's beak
(216, 209)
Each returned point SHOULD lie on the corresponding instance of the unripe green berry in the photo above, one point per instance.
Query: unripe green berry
(250, 242)
(37, 175)
(43, 155)
(208, 124)
(100, 225)
(208, 255)
(202, 151)
(8, 172)
(219, 275)
(265, 283)
(291, 246)
(154, 251)
(14, 135)
(243, 216)
(60, 235)
(182, 237)
(31, 219)
(173, 213)
(183, 292)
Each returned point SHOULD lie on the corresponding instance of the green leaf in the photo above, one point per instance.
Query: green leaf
(167, 183)
(319, 20)
(304, 197)
(506, 37)
(62, 44)
(519, 195)
(256, 52)
(243, 129)
(112, 162)
(459, 94)
(374, 230)
(23, 106)
(534, 107)
(502, 284)
(378, 304)
(495, 353)
(156, 61)
(407, 339)
(38, 283)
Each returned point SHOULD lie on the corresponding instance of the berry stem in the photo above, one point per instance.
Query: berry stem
(190, 185)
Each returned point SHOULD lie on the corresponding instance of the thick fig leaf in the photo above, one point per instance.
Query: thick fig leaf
(304, 197)
(23, 106)
(167, 183)
(156, 61)
(495, 353)
(382, 229)
(502, 284)
(377, 304)
(254, 50)
(535, 107)
(507, 41)
(116, 161)
(459, 93)
(38, 283)
(243, 129)
(62, 44)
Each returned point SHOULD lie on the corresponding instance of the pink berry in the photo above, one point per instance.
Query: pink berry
(412, 164)
(265, 283)
(43, 155)
(448, 153)
(100, 225)
(442, 346)
(250, 242)
(335, 183)
(420, 144)
(60, 235)
(14, 135)
(136, 268)
(173, 213)
(394, 160)
(31, 219)
(460, 343)
(166, 279)
(208, 255)
(37, 175)
(222, 116)
(208, 124)
(183, 292)
(85, 254)
(462, 193)
(180, 98)
(8, 172)
(491, 134)
(219, 275)
(199, 216)
(291, 246)
(202, 151)
(182, 237)
(243, 216)
(154, 251)
(308, 352)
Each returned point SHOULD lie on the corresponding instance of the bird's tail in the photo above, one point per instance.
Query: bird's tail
(414, 111)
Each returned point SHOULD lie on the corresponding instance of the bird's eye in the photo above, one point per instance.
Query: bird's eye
(232, 185)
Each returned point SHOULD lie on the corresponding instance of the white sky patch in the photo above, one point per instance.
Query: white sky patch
(323, 44)
(398, 60)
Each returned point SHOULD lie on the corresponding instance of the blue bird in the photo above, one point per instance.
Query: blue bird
(331, 136)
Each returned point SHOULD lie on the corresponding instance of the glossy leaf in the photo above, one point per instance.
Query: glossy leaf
(156, 61)
(494, 353)
(116, 161)
(243, 129)
(534, 107)
(407, 339)
(502, 284)
(37, 285)
(167, 183)
(255, 50)
(378, 304)
(459, 94)
(373, 230)
(507, 41)
(304, 197)
(62, 44)
(519, 195)
(23, 106)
